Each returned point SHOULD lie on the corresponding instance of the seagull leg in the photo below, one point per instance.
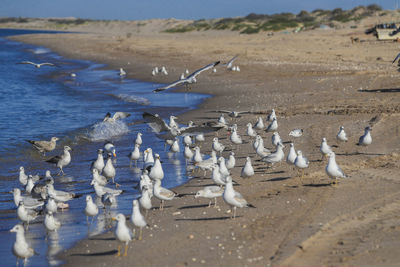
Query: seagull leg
(140, 233)
(215, 203)
(25, 261)
(209, 204)
(119, 251)
(234, 212)
(126, 250)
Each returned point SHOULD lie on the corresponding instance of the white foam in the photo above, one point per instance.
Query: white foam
(106, 130)
(134, 99)
(41, 50)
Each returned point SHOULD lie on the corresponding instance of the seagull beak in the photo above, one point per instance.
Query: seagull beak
(113, 218)
(115, 155)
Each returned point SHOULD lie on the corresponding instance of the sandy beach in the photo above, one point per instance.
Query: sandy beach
(316, 80)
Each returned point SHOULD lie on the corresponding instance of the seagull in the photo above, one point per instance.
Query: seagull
(37, 65)
(271, 116)
(187, 140)
(162, 193)
(199, 137)
(175, 146)
(102, 190)
(341, 136)
(189, 79)
(325, 149)
(137, 218)
(216, 176)
(235, 137)
(247, 170)
(222, 167)
(276, 139)
(233, 113)
(291, 157)
(148, 158)
(110, 148)
(296, 132)
(217, 146)
(134, 155)
(156, 172)
(51, 223)
(164, 131)
(365, 139)
(332, 169)
(229, 63)
(29, 202)
(172, 123)
(117, 116)
(259, 124)
(23, 178)
(206, 165)
(51, 205)
(63, 160)
(44, 146)
(58, 195)
(301, 162)
(250, 131)
(26, 215)
(261, 150)
(188, 153)
(122, 72)
(138, 139)
(230, 163)
(100, 179)
(211, 192)
(145, 199)
(234, 199)
(275, 157)
(91, 209)
(98, 164)
(109, 170)
(273, 126)
(21, 248)
(122, 232)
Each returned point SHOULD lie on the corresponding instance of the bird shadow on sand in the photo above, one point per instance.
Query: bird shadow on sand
(102, 238)
(383, 90)
(318, 185)
(206, 219)
(277, 179)
(96, 254)
(360, 153)
(193, 206)
(200, 185)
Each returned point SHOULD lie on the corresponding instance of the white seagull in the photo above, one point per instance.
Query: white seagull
(189, 79)
(63, 160)
(21, 248)
(234, 199)
(325, 149)
(122, 233)
(137, 218)
(301, 162)
(273, 126)
(211, 192)
(332, 169)
(162, 193)
(366, 138)
(98, 164)
(247, 170)
(91, 209)
(341, 136)
(37, 65)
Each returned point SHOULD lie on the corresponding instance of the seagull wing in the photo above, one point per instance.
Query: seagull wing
(120, 115)
(229, 63)
(54, 159)
(199, 129)
(155, 122)
(107, 116)
(207, 67)
(224, 111)
(27, 62)
(396, 58)
(170, 85)
(47, 64)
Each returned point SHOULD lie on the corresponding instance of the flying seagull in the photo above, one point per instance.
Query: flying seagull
(117, 115)
(164, 131)
(37, 65)
(189, 79)
(230, 62)
(233, 114)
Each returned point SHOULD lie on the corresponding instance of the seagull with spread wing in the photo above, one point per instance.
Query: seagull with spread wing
(164, 131)
(189, 79)
(37, 65)
(230, 62)
(117, 115)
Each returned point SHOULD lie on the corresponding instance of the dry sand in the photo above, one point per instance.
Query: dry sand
(316, 80)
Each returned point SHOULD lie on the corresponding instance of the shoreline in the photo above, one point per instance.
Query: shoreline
(295, 222)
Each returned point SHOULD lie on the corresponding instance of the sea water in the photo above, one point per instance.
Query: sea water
(38, 103)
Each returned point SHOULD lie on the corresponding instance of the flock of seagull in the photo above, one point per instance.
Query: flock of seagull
(40, 193)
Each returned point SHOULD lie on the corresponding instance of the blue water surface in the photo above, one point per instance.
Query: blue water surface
(38, 103)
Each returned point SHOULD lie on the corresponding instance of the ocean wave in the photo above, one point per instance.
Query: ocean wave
(41, 50)
(106, 130)
(134, 99)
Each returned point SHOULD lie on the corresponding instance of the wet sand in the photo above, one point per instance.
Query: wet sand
(315, 80)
